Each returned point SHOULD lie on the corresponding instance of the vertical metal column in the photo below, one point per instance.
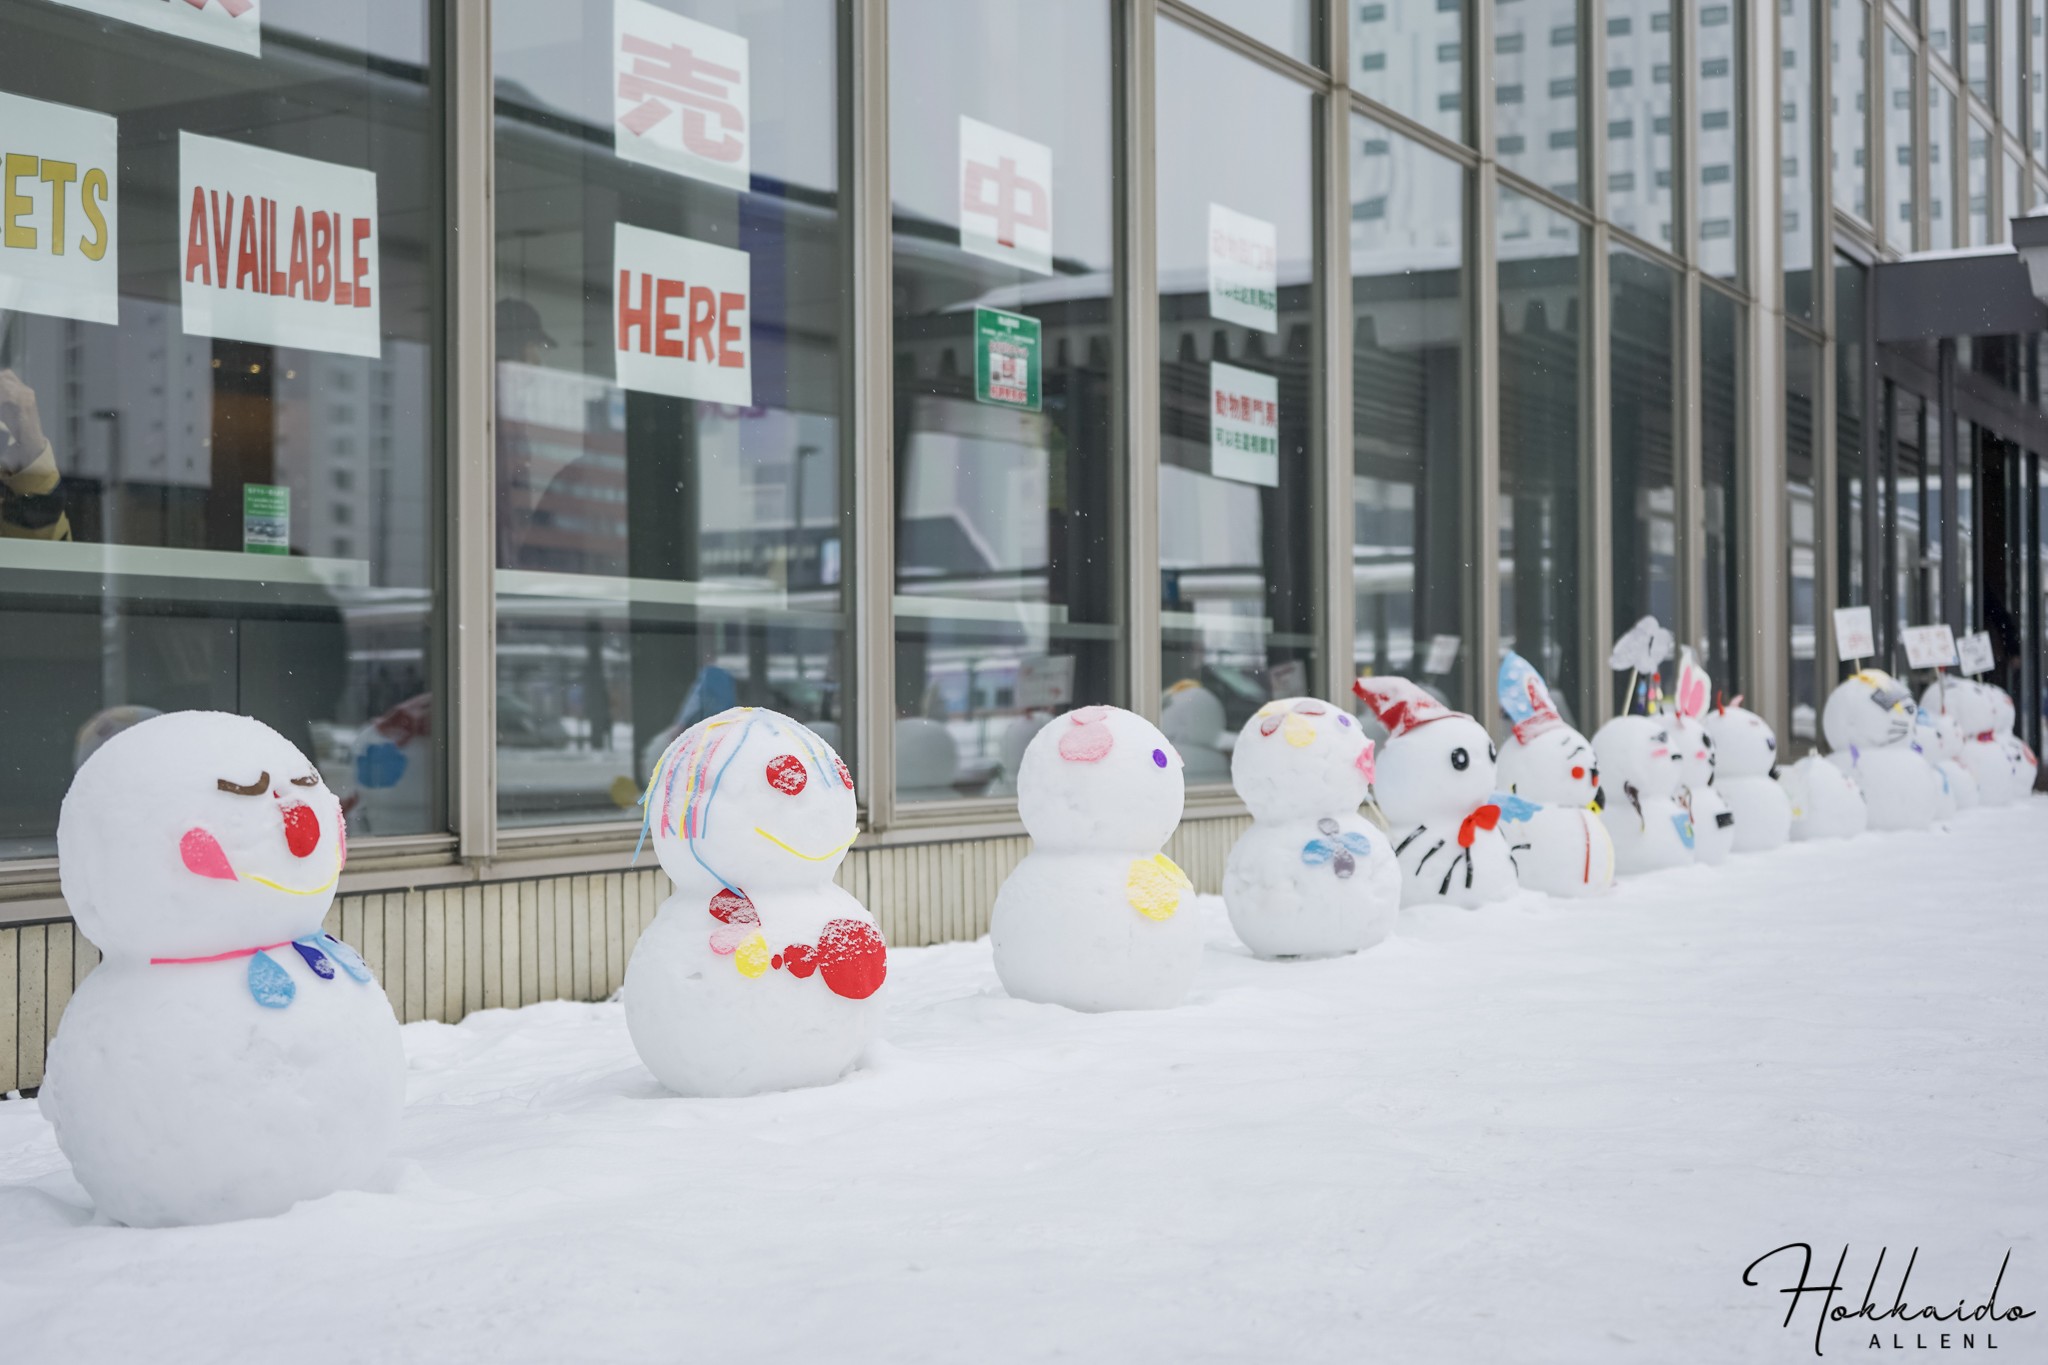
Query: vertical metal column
(1827, 585)
(1763, 553)
(1596, 565)
(1688, 491)
(1482, 486)
(1138, 340)
(1952, 496)
(1334, 320)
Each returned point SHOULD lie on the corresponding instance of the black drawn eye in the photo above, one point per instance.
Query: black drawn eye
(1492, 755)
(309, 780)
(1460, 759)
(256, 788)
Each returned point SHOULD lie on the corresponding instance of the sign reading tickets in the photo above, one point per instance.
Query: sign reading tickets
(1244, 279)
(1975, 651)
(681, 312)
(59, 248)
(1928, 646)
(233, 24)
(1007, 368)
(1244, 425)
(278, 248)
(1854, 637)
(1005, 197)
(679, 94)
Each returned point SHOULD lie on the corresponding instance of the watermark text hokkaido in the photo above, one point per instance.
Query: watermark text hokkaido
(1900, 1312)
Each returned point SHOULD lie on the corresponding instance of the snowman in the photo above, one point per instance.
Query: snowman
(2026, 766)
(1947, 752)
(1550, 771)
(758, 973)
(227, 1058)
(1979, 751)
(1096, 916)
(1713, 822)
(1745, 752)
(1826, 802)
(1434, 781)
(1311, 877)
(1868, 723)
(1926, 742)
(1643, 773)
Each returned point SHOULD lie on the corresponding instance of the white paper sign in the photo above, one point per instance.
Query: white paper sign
(1288, 678)
(1975, 651)
(1045, 682)
(1443, 652)
(1244, 425)
(1854, 636)
(679, 94)
(233, 24)
(1244, 278)
(1005, 197)
(59, 202)
(682, 317)
(278, 248)
(1928, 646)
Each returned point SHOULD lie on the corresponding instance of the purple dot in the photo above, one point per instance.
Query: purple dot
(1343, 719)
(1159, 757)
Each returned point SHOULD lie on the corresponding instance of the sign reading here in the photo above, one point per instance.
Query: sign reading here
(681, 315)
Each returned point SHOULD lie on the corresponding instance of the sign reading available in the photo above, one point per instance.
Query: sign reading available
(278, 248)
(681, 313)
(59, 251)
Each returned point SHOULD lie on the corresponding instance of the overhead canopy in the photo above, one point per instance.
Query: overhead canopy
(1983, 292)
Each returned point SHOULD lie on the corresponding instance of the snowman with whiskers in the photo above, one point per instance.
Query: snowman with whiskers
(1434, 781)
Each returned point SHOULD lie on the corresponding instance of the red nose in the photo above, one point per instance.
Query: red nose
(301, 829)
(1578, 772)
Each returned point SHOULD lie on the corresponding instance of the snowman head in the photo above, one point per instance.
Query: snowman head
(1544, 759)
(751, 800)
(1743, 744)
(1642, 752)
(1100, 777)
(1868, 711)
(2003, 713)
(1696, 757)
(1299, 757)
(1436, 764)
(196, 833)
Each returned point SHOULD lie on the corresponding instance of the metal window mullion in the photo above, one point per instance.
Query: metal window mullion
(1596, 490)
(1688, 493)
(1337, 613)
(1482, 486)
(469, 413)
(873, 650)
(1763, 620)
(1138, 337)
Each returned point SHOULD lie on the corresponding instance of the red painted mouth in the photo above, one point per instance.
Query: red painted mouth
(301, 830)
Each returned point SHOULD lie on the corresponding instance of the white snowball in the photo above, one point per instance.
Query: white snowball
(1826, 804)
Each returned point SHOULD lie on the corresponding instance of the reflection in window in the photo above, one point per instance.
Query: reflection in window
(1409, 367)
(1721, 482)
(2010, 41)
(1852, 360)
(1540, 358)
(1849, 48)
(241, 521)
(1644, 313)
(1720, 142)
(2012, 202)
(1536, 92)
(1802, 396)
(2037, 68)
(1796, 183)
(1289, 25)
(1237, 443)
(1941, 167)
(1006, 447)
(1980, 184)
(1914, 510)
(1411, 57)
(671, 518)
(1899, 198)
(1977, 47)
(1639, 95)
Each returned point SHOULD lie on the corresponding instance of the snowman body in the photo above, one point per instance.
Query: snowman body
(1978, 751)
(1946, 754)
(1826, 802)
(1641, 772)
(1714, 822)
(2025, 766)
(1745, 751)
(1926, 742)
(1096, 915)
(1311, 877)
(1434, 781)
(759, 973)
(1560, 845)
(1868, 723)
(227, 1058)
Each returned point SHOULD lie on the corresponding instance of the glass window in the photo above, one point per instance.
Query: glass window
(1540, 358)
(1721, 348)
(1536, 92)
(1941, 167)
(1980, 184)
(1851, 455)
(1643, 311)
(1410, 362)
(1237, 446)
(1289, 25)
(1006, 440)
(1411, 57)
(219, 361)
(1938, 30)
(2037, 67)
(1639, 197)
(1898, 141)
(672, 521)
(1720, 141)
(2012, 200)
(1802, 396)
(2009, 43)
(1848, 50)
(1797, 187)
(1912, 480)
(1977, 47)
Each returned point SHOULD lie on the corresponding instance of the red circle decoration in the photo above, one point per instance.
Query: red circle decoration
(787, 774)
(852, 958)
(732, 907)
(845, 775)
(301, 830)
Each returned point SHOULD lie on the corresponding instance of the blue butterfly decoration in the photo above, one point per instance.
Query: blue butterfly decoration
(272, 987)
(1515, 809)
(1340, 849)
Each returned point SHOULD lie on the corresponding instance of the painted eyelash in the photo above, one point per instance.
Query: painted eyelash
(255, 788)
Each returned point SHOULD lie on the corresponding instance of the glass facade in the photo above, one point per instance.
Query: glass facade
(1646, 437)
(1639, 102)
(1849, 80)
(1536, 92)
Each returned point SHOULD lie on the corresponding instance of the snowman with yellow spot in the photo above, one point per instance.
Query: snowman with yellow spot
(759, 973)
(1311, 877)
(1096, 917)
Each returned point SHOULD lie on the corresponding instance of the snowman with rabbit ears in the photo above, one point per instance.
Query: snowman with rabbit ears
(1714, 821)
(1549, 777)
(1648, 810)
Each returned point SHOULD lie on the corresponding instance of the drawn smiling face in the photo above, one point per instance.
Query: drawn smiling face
(198, 832)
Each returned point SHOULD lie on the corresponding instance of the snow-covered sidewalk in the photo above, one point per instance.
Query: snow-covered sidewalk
(1545, 1132)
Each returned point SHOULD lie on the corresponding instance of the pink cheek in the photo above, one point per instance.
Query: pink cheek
(341, 830)
(203, 854)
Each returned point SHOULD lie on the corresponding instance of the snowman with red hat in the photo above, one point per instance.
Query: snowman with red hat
(1434, 781)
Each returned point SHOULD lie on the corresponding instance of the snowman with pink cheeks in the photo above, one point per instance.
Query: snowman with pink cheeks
(1745, 753)
(1714, 823)
(1434, 780)
(227, 1058)
(1550, 778)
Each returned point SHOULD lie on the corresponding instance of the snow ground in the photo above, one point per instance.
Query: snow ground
(1546, 1132)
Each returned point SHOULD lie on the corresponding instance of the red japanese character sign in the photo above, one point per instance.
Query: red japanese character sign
(681, 313)
(1005, 197)
(233, 24)
(679, 94)
(1244, 425)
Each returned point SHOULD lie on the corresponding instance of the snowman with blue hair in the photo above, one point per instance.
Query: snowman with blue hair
(1549, 778)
